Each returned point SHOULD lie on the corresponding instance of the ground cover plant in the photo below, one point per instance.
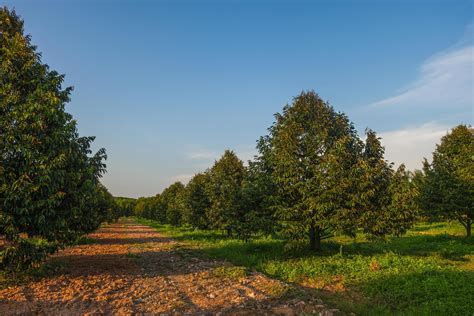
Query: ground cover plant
(428, 271)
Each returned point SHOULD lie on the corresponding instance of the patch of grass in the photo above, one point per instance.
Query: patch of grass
(230, 273)
(429, 271)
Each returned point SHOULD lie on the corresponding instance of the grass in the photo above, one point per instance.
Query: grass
(231, 273)
(429, 271)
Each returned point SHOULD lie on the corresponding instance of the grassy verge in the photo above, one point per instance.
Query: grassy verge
(429, 271)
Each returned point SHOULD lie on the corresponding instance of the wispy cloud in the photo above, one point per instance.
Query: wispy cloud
(411, 145)
(445, 79)
(202, 154)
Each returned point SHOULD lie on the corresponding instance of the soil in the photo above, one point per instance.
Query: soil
(128, 268)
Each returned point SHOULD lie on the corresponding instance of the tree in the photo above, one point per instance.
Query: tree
(387, 198)
(447, 189)
(374, 185)
(126, 205)
(224, 190)
(197, 201)
(174, 203)
(259, 192)
(49, 179)
(315, 153)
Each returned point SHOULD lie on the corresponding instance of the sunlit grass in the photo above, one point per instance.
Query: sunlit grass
(429, 271)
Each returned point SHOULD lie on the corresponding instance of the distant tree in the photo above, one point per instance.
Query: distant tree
(158, 206)
(139, 207)
(197, 201)
(125, 205)
(173, 199)
(225, 193)
(447, 189)
(315, 153)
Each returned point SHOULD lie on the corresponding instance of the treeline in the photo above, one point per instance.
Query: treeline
(50, 192)
(314, 177)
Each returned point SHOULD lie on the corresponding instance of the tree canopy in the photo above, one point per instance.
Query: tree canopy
(447, 190)
(49, 177)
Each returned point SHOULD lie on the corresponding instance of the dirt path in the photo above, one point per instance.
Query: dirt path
(130, 268)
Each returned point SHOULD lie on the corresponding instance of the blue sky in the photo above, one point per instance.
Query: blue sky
(167, 86)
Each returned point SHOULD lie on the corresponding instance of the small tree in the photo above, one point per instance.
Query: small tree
(173, 199)
(447, 189)
(225, 192)
(197, 201)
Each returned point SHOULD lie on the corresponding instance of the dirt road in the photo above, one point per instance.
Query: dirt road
(128, 268)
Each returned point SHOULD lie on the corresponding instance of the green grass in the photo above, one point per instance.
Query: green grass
(231, 273)
(429, 271)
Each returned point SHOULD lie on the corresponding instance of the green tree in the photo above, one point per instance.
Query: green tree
(315, 153)
(225, 192)
(197, 201)
(125, 205)
(173, 199)
(402, 210)
(447, 189)
(259, 192)
(387, 198)
(49, 182)
(374, 185)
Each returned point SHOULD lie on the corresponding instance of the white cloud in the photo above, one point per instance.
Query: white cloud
(444, 80)
(411, 145)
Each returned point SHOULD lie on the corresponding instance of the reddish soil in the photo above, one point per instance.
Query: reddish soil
(131, 269)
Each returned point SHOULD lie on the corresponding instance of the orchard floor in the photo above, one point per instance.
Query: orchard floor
(128, 268)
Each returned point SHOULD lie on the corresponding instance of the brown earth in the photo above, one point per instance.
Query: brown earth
(132, 269)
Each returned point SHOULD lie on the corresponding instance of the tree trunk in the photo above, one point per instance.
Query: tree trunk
(468, 228)
(314, 238)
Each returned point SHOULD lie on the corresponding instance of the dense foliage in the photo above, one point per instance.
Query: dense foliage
(313, 177)
(49, 178)
(447, 184)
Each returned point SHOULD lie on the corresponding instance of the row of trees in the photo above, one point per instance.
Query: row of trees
(313, 177)
(49, 178)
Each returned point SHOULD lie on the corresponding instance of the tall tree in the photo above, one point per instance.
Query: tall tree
(448, 188)
(49, 179)
(225, 191)
(315, 153)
